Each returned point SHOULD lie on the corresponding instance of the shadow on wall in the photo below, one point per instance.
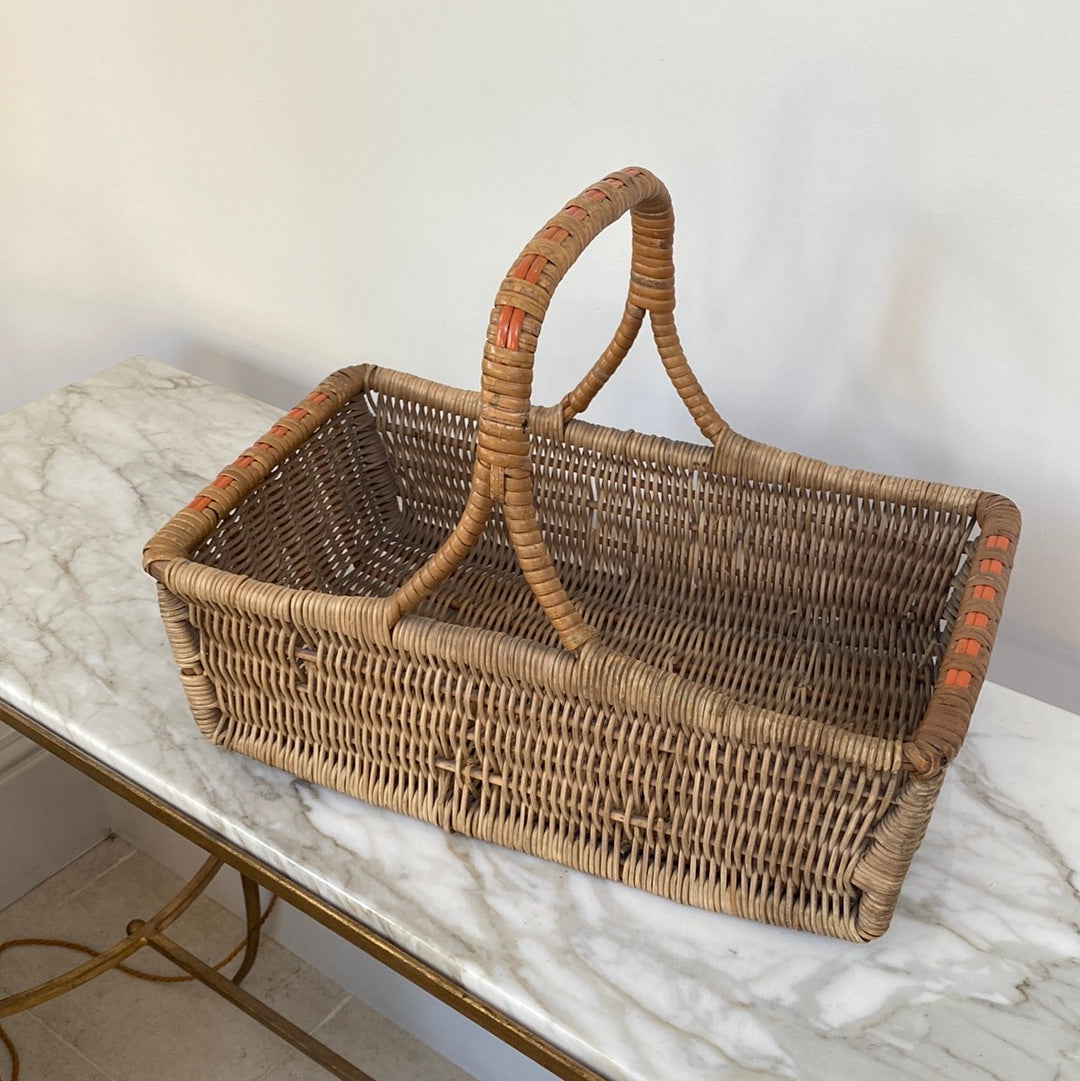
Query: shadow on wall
(256, 376)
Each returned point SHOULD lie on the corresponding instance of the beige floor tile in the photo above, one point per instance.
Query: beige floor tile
(44, 1057)
(24, 916)
(63, 907)
(140, 1032)
(373, 1044)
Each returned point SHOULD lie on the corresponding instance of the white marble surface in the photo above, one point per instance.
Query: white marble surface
(979, 976)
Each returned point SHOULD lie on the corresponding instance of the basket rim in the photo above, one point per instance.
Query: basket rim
(940, 731)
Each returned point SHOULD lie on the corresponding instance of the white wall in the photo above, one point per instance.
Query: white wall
(49, 815)
(879, 226)
(879, 247)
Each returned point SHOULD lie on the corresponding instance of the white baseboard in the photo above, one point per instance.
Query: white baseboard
(13, 749)
(49, 815)
(444, 1030)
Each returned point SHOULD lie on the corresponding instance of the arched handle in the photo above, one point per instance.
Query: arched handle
(502, 469)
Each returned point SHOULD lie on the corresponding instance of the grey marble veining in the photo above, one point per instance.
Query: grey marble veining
(978, 978)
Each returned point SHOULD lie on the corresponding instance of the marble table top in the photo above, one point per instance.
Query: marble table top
(979, 976)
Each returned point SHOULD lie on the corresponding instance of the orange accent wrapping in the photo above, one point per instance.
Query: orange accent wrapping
(244, 461)
(279, 429)
(967, 646)
(263, 446)
(502, 330)
(200, 502)
(956, 677)
(976, 619)
(513, 330)
(298, 413)
(508, 329)
(984, 593)
(316, 396)
(991, 566)
(221, 481)
(529, 268)
(536, 269)
(997, 541)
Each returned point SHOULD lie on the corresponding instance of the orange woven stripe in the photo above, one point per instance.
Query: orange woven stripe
(297, 413)
(997, 541)
(243, 461)
(955, 677)
(967, 646)
(984, 593)
(533, 273)
(502, 330)
(517, 317)
(529, 268)
(316, 396)
(508, 329)
(977, 619)
(221, 481)
(279, 429)
(991, 566)
(200, 502)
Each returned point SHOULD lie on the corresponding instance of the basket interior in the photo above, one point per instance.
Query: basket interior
(827, 605)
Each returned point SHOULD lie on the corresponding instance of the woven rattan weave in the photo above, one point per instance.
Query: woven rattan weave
(728, 674)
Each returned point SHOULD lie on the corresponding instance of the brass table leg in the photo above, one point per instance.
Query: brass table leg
(115, 955)
(254, 927)
(253, 1007)
(150, 933)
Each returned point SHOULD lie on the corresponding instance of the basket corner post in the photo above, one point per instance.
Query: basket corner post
(183, 640)
(884, 864)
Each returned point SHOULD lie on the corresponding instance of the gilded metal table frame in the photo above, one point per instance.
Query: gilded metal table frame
(142, 934)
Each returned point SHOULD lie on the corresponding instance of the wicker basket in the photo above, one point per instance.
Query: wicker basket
(727, 674)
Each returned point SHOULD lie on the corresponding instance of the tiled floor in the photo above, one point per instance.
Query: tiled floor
(121, 1029)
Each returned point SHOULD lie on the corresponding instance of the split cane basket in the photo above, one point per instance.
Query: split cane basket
(724, 673)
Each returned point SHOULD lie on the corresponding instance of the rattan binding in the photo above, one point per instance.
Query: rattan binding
(725, 673)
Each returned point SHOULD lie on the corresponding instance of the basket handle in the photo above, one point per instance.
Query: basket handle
(502, 468)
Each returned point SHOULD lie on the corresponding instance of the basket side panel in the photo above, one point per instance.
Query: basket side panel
(761, 831)
(818, 603)
(430, 450)
(309, 521)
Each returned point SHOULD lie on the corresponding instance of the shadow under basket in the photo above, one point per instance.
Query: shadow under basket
(727, 674)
